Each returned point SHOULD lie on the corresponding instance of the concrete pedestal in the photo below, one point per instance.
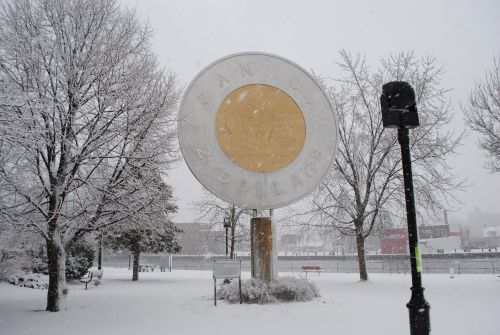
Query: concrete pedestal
(263, 255)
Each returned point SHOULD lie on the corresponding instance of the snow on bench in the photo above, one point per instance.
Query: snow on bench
(93, 275)
(147, 268)
(311, 268)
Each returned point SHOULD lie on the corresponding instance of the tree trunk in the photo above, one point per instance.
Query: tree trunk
(56, 259)
(232, 239)
(135, 267)
(99, 254)
(360, 244)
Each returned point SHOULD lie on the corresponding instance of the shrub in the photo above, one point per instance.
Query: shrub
(79, 258)
(7, 268)
(32, 280)
(258, 292)
(38, 261)
(32, 258)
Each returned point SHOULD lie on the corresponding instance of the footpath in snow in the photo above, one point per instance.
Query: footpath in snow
(181, 302)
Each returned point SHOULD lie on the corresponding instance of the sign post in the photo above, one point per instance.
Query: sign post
(227, 269)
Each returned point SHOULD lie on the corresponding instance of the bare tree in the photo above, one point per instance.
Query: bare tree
(482, 114)
(80, 95)
(128, 186)
(364, 188)
(213, 211)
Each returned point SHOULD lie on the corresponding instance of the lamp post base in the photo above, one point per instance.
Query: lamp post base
(419, 308)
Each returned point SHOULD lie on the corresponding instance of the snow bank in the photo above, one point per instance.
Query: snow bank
(181, 302)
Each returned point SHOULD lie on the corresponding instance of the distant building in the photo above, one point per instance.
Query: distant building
(432, 239)
(490, 239)
(437, 231)
(440, 245)
(491, 231)
(394, 241)
(197, 239)
(304, 244)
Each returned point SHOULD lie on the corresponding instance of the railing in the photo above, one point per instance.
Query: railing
(430, 266)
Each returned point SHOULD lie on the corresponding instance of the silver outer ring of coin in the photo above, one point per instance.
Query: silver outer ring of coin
(210, 165)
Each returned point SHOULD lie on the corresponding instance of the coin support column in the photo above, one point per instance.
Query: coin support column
(262, 261)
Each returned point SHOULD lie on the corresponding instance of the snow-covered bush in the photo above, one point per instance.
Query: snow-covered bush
(294, 289)
(38, 260)
(31, 280)
(258, 292)
(7, 268)
(13, 256)
(79, 258)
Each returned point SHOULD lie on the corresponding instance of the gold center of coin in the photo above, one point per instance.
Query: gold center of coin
(260, 128)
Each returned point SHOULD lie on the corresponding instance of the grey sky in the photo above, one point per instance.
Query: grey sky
(463, 35)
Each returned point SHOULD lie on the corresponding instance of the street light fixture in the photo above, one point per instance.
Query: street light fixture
(399, 110)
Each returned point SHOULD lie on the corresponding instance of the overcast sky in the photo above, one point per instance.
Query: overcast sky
(463, 35)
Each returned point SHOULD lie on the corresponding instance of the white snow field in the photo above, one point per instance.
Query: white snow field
(181, 302)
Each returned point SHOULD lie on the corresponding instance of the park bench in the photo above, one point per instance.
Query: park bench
(311, 268)
(147, 268)
(93, 275)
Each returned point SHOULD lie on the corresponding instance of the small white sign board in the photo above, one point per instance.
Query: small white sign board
(227, 269)
(224, 268)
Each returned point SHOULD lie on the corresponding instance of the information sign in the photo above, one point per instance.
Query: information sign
(227, 269)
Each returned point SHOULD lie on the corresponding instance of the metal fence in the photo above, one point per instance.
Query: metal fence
(430, 266)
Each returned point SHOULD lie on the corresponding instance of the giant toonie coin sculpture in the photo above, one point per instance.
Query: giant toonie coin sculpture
(257, 130)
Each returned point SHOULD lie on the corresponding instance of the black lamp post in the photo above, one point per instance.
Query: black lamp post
(227, 224)
(99, 254)
(399, 110)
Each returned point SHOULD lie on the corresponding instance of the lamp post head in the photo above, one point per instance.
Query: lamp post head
(399, 108)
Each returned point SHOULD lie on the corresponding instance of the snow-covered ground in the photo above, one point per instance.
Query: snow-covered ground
(181, 302)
